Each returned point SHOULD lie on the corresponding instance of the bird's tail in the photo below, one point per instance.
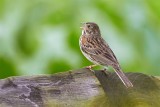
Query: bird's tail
(123, 77)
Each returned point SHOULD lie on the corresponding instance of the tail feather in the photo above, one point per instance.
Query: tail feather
(123, 78)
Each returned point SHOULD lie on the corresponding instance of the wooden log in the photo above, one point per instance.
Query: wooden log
(79, 88)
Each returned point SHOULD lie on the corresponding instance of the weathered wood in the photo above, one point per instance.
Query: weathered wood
(79, 88)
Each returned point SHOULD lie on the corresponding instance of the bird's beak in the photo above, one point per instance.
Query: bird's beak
(82, 23)
(82, 27)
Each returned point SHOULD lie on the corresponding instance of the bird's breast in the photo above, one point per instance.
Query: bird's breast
(83, 40)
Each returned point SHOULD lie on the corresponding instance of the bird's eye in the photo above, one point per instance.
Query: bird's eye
(89, 26)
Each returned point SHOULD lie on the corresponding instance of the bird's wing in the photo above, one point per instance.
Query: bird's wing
(99, 50)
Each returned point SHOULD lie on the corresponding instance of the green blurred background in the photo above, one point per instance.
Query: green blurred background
(42, 36)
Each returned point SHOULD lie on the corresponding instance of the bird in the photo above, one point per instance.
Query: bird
(96, 50)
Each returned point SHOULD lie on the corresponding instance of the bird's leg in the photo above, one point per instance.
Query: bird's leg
(90, 67)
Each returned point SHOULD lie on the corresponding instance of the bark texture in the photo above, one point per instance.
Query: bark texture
(80, 88)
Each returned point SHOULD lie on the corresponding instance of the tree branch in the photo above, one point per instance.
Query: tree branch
(79, 88)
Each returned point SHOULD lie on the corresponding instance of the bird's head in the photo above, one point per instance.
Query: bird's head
(90, 28)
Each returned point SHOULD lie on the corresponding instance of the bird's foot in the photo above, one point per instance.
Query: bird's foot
(104, 70)
(90, 67)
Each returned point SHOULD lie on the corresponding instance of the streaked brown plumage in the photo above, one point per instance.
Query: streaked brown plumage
(95, 49)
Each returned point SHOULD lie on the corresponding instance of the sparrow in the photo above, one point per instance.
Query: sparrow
(96, 50)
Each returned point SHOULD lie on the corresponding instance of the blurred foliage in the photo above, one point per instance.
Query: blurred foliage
(42, 36)
(6, 67)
